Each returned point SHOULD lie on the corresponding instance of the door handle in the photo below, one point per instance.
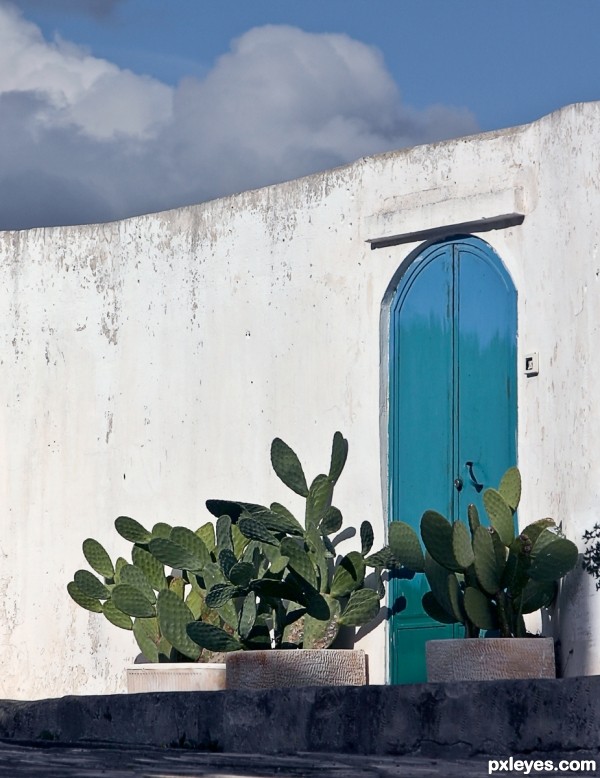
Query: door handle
(474, 481)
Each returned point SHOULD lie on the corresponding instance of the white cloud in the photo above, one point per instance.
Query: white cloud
(83, 140)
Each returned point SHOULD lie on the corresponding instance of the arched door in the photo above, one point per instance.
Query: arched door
(452, 407)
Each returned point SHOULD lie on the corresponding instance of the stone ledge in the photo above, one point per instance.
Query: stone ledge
(493, 717)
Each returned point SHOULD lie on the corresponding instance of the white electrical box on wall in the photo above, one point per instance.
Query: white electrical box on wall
(532, 364)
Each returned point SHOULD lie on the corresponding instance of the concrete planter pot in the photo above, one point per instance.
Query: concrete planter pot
(302, 667)
(176, 677)
(488, 659)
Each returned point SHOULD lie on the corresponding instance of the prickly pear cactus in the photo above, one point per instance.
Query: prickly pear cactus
(486, 578)
(256, 578)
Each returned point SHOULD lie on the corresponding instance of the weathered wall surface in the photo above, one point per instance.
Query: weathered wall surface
(147, 364)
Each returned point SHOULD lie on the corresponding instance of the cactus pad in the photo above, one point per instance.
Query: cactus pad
(553, 560)
(254, 529)
(174, 555)
(131, 574)
(150, 566)
(221, 593)
(299, 561)
(288, 468)
(320, 633)
(339, 454)
(332, 521)
(349, 575)
(405, 546)
(115, 616)
(132, 530)
(247, 615)
(462, 549)
(293, 526)
(384, 558)
(206, 533)
(212, 638)
(510, 487)
(318, 500)
(97, 558)
(362, 606)
(435, 611)
(90, 585)
(436, 532)
(148, 638)
(192, 543)
(173, 618)
(473, 517)
(501, 515)
(85, 601)
(480, 609)
(241, 573)
(366, 537)
(130, 600)
(486, 569)
(161, 530)
(538, 594)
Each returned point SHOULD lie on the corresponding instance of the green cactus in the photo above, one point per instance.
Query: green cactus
(130, 574)
(90, 585)
(501, 515)
(436, 532)
(320, 633)
(510, 488)
(366, 537)
(489, 574)
(212, 638)
(362, 607)
(97, 558)
(349, 575)
(254, 529)
(256, 578)
(147, 635)
(132, 530)
(152, 568)
(462, 550)
(295, 564)
(132, 601)
(116, 616)
(479, 609)
(174, 616)
(332, 521)
(500, 577)
(84, 600)
(161, 530)
(288, 468)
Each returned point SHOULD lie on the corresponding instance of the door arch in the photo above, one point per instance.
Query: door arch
(452, 401)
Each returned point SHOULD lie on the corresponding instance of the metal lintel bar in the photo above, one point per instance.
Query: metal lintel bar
(500, 222)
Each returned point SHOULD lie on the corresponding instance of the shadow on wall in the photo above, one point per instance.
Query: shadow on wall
(571, 625)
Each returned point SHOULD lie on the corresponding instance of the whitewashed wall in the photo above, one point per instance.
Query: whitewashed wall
(147, 364)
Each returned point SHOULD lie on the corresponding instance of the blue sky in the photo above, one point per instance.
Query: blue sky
(110, 108)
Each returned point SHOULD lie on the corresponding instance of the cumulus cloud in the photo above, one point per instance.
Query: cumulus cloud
(82, 140)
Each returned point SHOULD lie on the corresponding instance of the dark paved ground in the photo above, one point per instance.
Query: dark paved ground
(111, 761)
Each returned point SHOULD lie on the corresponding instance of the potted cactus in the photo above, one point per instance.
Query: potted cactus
(155, 605)
(486, 578)
(254, 581)
(301, 593)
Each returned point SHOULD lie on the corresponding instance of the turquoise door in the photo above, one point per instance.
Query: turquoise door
(452, 408)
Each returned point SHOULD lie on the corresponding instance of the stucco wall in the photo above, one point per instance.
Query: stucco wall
(147, 364)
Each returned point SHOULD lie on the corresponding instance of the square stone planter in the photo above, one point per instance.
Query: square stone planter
(301, 667)
(487, 659)
(176, 677)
